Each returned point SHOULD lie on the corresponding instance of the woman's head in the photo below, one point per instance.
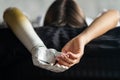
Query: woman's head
(65, 12)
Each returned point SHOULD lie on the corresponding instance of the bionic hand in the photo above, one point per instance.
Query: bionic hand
(23, 29)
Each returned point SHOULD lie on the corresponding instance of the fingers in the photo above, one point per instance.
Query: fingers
(65, 59)
(65, 62)
(72, 56)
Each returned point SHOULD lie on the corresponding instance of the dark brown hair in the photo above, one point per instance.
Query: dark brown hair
(65, 12)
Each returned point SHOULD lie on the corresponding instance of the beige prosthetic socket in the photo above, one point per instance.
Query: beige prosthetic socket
(22, 28)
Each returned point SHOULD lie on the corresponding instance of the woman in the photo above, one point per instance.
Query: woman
(61, 25)
(64, 13)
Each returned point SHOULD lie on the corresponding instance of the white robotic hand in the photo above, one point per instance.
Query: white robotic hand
(46, 58)
(23, 29)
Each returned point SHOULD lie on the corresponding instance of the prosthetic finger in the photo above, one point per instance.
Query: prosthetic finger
(23, 29)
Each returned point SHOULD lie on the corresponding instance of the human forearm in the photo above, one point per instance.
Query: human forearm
(100, 25)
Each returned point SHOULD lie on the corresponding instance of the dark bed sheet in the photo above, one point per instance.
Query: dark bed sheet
(99, 62)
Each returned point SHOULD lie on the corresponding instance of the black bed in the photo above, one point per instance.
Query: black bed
(99, 62)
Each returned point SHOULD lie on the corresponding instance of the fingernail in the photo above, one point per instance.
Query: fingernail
(67, 55)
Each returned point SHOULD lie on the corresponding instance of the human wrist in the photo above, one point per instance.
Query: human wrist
(83, 38)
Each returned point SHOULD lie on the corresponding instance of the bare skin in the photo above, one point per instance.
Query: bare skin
(74, 49)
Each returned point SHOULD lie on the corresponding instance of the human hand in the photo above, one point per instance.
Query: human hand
(72, 52)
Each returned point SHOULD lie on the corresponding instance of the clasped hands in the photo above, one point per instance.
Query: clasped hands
(72, 52)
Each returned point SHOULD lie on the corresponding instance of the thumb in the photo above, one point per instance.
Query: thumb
(64, 50)
(66, 47)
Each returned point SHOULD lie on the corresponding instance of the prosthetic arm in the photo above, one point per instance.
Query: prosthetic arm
(23, 29)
